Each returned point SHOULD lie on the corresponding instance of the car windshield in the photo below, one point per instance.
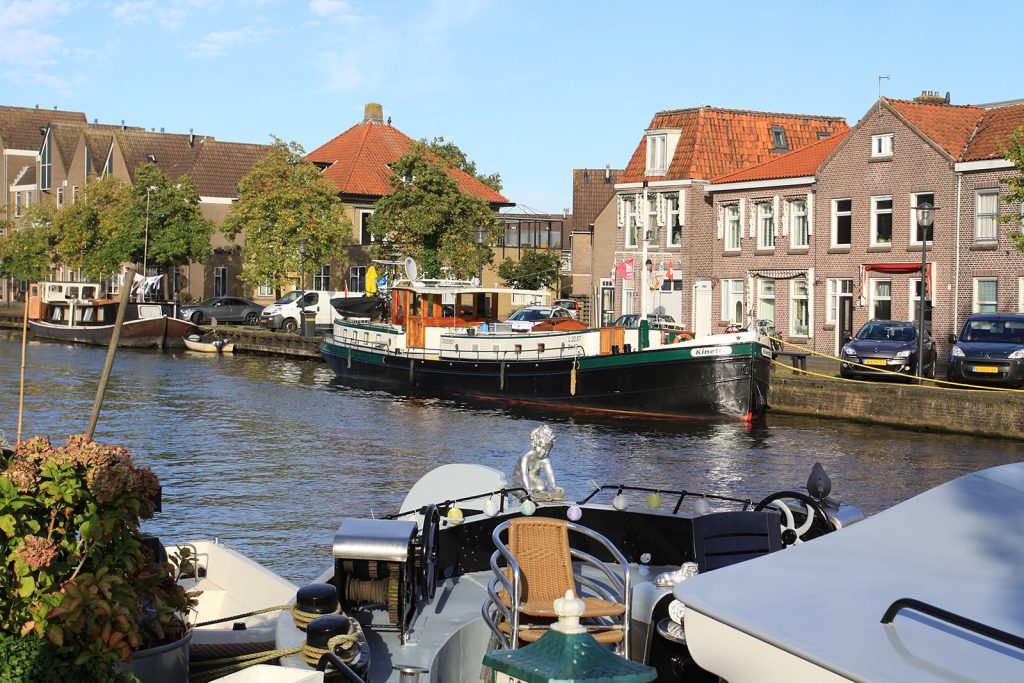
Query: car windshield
(531, 314)
(884, 332)
(999, 331)
(289, 297)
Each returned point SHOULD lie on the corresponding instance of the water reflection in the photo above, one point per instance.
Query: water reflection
(268, 453)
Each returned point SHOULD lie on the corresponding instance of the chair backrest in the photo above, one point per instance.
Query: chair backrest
(724, 538)
(541, 547)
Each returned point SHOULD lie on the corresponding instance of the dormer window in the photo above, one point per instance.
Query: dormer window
(45, 164)
(657, 154)
(881, 145)
(779, 143)
(151, 158)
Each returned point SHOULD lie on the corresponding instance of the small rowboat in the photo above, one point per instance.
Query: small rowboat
(195, 342)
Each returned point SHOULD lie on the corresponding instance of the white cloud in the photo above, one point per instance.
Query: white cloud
(25, 47)
(167, 14)
(29, 12)
(332, 9)
(217, 43)
(58, 85)
(134, 12)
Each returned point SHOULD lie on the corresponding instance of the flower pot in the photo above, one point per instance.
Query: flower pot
(162, 664)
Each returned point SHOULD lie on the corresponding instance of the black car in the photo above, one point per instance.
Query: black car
(886, 345)
(989, 351)
(226, 309)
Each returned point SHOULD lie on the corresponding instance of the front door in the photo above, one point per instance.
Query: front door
(607, 302)
(702, 307)
(844, 329)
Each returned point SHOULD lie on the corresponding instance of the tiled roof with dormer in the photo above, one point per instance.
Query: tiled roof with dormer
(97, 141)
(219, 166)
(715, 142)
(799, 164)
(995, 128)
(24, 127)
(65, 140)
(948, 125)
(172, 153)
(358, 162)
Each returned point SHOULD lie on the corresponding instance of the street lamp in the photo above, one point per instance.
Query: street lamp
(925, 219)
(481, 236)
(302, 289)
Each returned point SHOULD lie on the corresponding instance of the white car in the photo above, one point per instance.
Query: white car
(570, 305)
(525, 318)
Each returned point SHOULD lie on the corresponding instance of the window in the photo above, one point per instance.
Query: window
(779, 139)
(632, 218)
(986, 290)
(917, 200)
(108, 166)
(113, 285)
(799, 232)
(356, 278)
(652, 216)
(765, 226)
(628, 297)
(322, 280)
(837, 288)
(220, 281)
(842, 222)
(675, 224)
(766, 300)
(881, 145)
(732, 301)
(732, 228)
(657, 153)
(364, 228)
(45, 163)
(17, 205)
(266, 289)
(881, 220)
(915, 299)
(881, 299)
(74, 193)
(986, 210)
(799, 311)
(60, 197)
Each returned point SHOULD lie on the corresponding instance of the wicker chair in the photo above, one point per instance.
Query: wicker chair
(539, 569)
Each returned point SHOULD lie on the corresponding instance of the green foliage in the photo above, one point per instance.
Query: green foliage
(92, 232)
(1014, 196)
(27, 252)
(536, 269)
(76, 572)
(427, 217)
(284, 199)
(456, 158)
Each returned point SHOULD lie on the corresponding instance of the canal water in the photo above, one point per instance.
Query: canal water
(267, 453)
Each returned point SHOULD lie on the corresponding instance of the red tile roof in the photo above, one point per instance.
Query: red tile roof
(798, 164)
(359, 160)
(715, 142)
(996, 127)
(947, 125)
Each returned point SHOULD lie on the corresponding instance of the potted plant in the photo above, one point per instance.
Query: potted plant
(82, 591)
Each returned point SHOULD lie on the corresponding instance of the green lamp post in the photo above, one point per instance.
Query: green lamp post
(565, 654)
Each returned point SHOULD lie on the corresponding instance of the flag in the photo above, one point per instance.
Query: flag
(625, 269)
(668, 275)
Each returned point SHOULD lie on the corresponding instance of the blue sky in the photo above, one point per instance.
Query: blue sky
(526, 88)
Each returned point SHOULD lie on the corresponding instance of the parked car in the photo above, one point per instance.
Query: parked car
(886, 345)
(570, 305)
(526, 317)
(989, 351)
(632, 320)
(286, 313)
(226, 309)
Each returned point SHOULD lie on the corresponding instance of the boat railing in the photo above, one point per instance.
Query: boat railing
(571, 351)
(679, 494)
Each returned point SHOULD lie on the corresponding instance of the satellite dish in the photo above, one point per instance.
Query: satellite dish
(411, 269)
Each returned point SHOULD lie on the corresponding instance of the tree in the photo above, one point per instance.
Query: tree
(536, 269)
(27, 252)
(89, 231)
(1014, 151)
(427, 217)
(456, 158)
(282, 200)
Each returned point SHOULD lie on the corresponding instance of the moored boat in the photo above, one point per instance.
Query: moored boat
(208, 344)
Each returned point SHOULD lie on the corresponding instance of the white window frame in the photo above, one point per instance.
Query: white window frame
(795, 228)
(46, 162)
(913, 297)
(882, 145)
(220, 273)
(733, 228)
(836, 214)
(836, 290)
(657, 154)
(266, 289)
(915, 199)
(60, 197)
(978, 216)
(977, 303)
(1020, 295)
(364, 215)
(875, 297)
(322, 280)
(673, 211)
(794, 299)
(765, 225)
(356, 276)
(17, 205)
(629, 304)
(632, 221)
(729, 299)
(763, 295)
(875, 213)
(652, 216)
(74, 194)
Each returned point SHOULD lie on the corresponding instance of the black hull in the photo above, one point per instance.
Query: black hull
(651, 383)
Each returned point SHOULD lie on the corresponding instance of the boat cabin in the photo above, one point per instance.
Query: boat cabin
(80, 304)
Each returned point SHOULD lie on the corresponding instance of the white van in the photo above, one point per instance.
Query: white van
(285, 313)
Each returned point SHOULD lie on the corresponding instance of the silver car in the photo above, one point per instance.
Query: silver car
(226, 309)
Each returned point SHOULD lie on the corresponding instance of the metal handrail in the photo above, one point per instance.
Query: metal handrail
(952, 618)
(619, 488)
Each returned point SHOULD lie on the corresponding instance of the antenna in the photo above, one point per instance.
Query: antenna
(880, 79)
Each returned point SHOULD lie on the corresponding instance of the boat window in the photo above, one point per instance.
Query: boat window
(72, 293)
(88, 292)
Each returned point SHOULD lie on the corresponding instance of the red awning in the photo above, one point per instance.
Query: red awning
(895, 267)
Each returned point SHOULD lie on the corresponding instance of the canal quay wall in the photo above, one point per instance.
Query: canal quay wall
(987, 413)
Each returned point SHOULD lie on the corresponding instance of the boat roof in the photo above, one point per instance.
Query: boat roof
(959, 547)
(461, 287)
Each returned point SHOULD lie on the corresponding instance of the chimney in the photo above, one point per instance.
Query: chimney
(191, 138)
(373, 113)
(931, 97)
(161, 129)
(95, 120)
(122, 125)
(607, 173)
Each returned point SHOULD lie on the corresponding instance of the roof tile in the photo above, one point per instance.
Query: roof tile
(798, 164)
(20, 126)
(996, 127)
(948, 125)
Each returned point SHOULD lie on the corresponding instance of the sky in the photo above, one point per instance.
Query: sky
(528, 89)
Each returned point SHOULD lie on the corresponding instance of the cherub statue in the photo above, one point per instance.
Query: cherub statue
(534, 463)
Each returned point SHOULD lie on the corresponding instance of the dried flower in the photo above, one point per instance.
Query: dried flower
(37, 552)
(23, 474)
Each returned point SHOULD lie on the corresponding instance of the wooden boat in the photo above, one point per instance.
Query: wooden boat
(73, 312)
(208, 344)
(431, 338)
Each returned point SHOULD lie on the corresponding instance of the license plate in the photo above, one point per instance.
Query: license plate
(874, 361)
(990, 369)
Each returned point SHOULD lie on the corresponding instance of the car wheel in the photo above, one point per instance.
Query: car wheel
(251, 318)
(197, 318)
(289, 325)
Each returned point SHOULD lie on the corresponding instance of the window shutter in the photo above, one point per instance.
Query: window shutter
(622, 211)
(743, 218)
(810, 213)
(787, 209)
(720, 215)
(776, 216)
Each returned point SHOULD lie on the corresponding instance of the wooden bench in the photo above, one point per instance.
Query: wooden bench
(797, 358)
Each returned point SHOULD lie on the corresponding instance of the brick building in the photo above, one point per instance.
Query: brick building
(589, 260)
